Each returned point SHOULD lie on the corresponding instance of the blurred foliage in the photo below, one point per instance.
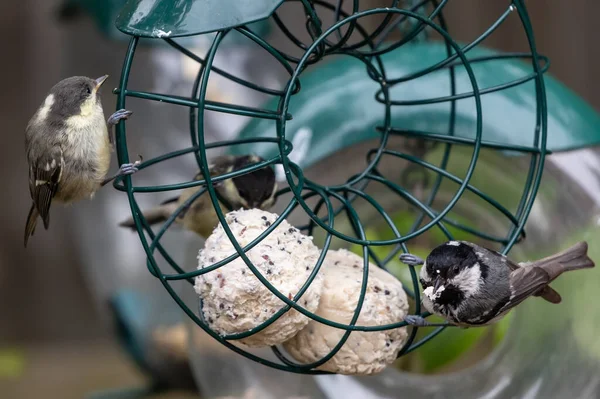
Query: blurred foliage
(576, 288)
(12, 362)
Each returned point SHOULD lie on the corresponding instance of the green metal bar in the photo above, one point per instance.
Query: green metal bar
(389, 222)
(451, 131)
(463, 96)
(488, 90)
(442, 138)
(161, 250)
(223, 73)
(541, 126)
(342, 40)
(424, 340)
(284, 106)
(203, 182)
(295, 87)
(456, 180)
(453, 57)
(384, 29)
(167, 224)
(397, 189)
(209, 105)
(415, 329)
(410, 36)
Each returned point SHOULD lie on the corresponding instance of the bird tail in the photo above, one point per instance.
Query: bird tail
(573, 258)
(32, 218)
(155, 215)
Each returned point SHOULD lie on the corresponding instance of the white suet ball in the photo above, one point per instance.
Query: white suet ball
(235, 301)
(385, 302)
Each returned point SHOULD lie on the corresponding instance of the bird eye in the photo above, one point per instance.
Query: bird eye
(88, 90)
(455, 269)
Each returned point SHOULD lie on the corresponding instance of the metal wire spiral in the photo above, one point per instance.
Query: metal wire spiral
(415, 22)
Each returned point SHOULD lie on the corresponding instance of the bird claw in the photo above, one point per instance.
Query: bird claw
(416, 321)
(125, 169)
(130, 168)
(118, 116)
(411, 260)
(419, 321)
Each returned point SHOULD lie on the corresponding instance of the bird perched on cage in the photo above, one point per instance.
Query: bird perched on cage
(252, 190)
(68, 147)
(471, 286)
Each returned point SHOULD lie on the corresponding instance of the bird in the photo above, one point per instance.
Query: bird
(68, 147)
(470, 286)
(252, 190)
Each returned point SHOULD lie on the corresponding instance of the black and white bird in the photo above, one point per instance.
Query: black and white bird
(68, 147)
(469, 285)
(251, 190)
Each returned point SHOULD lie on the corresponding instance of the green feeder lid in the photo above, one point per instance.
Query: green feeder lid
(105, 12)
(177, 18)
(337, 105)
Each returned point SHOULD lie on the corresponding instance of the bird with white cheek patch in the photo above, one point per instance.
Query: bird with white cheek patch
(469, 285)
(68, 147)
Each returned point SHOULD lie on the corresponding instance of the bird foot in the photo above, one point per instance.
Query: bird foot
(415, 321)
(418, 321)
(113, 120)
(411, 260)
(129, 168)
(118, 116)
(125, 169)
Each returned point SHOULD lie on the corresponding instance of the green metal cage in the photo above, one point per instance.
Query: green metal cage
(403, 26)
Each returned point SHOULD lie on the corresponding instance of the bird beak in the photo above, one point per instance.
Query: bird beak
(100, 80)
(437, 284)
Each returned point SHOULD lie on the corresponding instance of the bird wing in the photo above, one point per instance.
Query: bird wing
(44, 177)
(214, 171)
(525, 282)
(220, 165)
(548, 293)
(217, 166)
(511, 265)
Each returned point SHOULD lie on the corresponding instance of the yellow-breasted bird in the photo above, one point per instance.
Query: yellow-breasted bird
(68, 146)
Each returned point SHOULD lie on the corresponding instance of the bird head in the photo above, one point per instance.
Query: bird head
(76, 96)
(451, 273)
(256, 189)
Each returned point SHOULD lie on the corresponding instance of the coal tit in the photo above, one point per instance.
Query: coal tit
(68, 147)
(251, 190)
(470, 286)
